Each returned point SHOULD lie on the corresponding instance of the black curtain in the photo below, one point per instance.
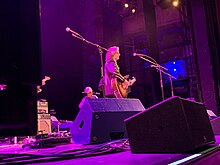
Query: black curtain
(152, 46)
(212, 9)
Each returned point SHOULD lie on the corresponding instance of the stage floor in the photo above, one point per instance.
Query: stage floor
(116, 152)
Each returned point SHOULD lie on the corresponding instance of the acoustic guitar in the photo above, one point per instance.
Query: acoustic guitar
(120, 89)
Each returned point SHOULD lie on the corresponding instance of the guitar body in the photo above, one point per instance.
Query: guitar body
(120, 89)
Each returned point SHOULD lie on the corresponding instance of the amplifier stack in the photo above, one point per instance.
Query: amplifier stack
(43, 118)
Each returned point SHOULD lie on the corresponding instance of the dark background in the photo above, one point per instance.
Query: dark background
(61, 56)
(20, 66)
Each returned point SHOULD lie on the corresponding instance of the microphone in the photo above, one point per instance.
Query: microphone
(71, 31)
(95, 93)
(136, 54)
(156, 66)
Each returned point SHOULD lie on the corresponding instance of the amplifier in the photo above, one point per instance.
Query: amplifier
(43, 116)
(44, 123)
(42, 107)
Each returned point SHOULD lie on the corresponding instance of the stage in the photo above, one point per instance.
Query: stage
(115, 152)
(171, 51)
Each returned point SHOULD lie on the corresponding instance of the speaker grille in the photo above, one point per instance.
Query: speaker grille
(106, 104)
(174, 125)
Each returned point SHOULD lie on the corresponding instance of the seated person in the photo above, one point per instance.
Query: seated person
(89, 94)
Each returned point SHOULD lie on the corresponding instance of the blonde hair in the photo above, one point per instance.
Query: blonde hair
(111, 52)
(88, 89)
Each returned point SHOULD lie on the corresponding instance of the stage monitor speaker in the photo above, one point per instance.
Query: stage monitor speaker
(174, 125)
(101, 120)
(216, 125)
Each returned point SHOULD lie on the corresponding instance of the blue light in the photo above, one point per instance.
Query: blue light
(177, 69)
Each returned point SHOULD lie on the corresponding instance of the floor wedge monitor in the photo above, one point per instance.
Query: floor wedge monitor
(174, 125)
(101, 120)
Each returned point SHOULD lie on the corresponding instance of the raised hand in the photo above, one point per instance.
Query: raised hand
(127, 76)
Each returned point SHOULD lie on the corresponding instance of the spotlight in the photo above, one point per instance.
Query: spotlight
(133, 10)
(175, 3)
(164, 4)
(126, 5)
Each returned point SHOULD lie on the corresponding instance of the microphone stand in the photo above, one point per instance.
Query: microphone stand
(158, 67)
(161, 70)
(100, 49)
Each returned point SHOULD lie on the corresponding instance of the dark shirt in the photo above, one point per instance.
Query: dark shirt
(112, 70)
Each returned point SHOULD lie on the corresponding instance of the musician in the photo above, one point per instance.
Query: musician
(89, 95)
(41, 94)
(43, 82)
(111, 70)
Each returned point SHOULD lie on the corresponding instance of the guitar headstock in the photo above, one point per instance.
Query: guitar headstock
(127, 76)
(46, 78)
(133, 79)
